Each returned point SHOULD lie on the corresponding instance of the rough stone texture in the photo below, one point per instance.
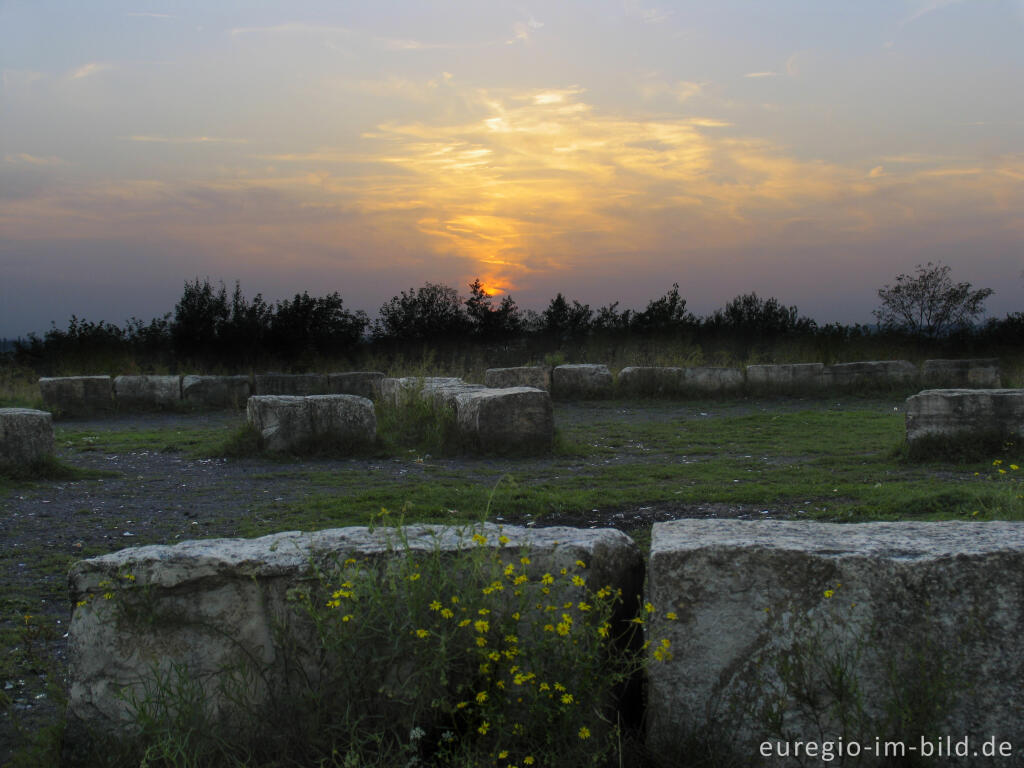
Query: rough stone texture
(581, 382)
(512, 420)
(645, 381)
(216, 391)
(147, 392)
(26, 436)
(874, 374)
(290, 423)
(933, 606)
(712, 380)
(975, 374)
(441, 389)
(362, 383)
(537, 376)
(290, 384)
(965, 413)
(214, 603)
(77, 395)
(785, 378)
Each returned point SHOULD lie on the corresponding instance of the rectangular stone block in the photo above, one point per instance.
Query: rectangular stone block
(581, 382)
(440, 389)
(537, 376)
(290, 384)
(205, 607)
(26, 436)
(783, 630)
(147, 392)
(362, 383)
(789, 377)
(513, 420)
(873, 374)
(297, 424)
(215, 391)
(77, 395)
(978, 373)
(957, 414)
(649, 381)
(712, 380)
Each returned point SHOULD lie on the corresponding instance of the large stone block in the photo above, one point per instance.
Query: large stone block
(648, 381)
(289, 423)
(789, 377)
(824, 632)
(978, 373)
(581, 382)
(442, 390)
(957, 414)
(712, 380)
(215, 391)
(537, 376)
(290, 384)
(147, 392)
(873, 374)
(362, 383)
(77, 395)
(26, 436)
(515, 420)
(204, 607)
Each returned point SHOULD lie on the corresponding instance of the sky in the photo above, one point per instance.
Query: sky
(810, 150)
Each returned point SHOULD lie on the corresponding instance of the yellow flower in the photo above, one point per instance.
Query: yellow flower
(481, 697)
(649, 607)
(524, 560)
(528, 760)
(484, 727)
(435, 605)
(510, 570)
(578, 581)
(567, 698)
(503, 754)
(447, 613)
(580, 564)
(481, 641)
(333, 603)
(829, 593)
(559, 687)
(481, 626)
(422, 633)
(478, 539)
(414, 577)
(1014, 466)
(544, 687)
(347, 618)
(997, 462)
(671, 616)
(455, 599)
(503, 540)
(603, 630)
(464, 622)
(584, 732)
(484, 611)
(583, 606)
(547, 579)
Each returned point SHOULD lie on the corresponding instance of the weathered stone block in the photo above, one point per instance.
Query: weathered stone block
(215, 391)
(207, 606)
(77, 395)
(581, 382)
(647, 381)
(965, 413)
(441, 389)
(515, 420)
(790, 377)
(777, 621)
(26, 436)
(712, 380)
(978, 373)
(290, 384)
(290, 423)
(362, 383)
(147, 392)
(537, 376)
(874, 374)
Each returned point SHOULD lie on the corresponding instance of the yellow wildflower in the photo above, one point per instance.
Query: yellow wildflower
(584, 732)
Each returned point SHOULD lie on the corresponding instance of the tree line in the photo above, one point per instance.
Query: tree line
(212, 328)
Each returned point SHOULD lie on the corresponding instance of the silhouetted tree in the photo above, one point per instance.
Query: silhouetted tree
(490, 323)
(566, 321)
(308, 326)
(199, 317)
(432, 312)
(665, 314)
(929, 303)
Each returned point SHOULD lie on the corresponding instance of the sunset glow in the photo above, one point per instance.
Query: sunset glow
(605, 150)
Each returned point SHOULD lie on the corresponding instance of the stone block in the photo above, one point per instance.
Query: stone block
(295, 424)
(581, 382)
(978, 373)
(441, 389)
(784, 378)
(712, 380)
(513, 420)
(215, 391)
(26, 436)
(77, 395)
(874, 374)
(205, 606)
(776, 621)
(290, 384)
(147, 392)
(959, 414)
(649, 381)
(362, 383)
(537, 376)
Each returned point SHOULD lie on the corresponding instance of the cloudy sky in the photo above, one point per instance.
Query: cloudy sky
(803, 149)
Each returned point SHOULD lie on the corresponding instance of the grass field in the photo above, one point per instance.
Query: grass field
(623, 463)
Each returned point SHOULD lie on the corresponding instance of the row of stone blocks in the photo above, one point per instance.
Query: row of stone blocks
(583, 381)
(770, 624)
(86, 395)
